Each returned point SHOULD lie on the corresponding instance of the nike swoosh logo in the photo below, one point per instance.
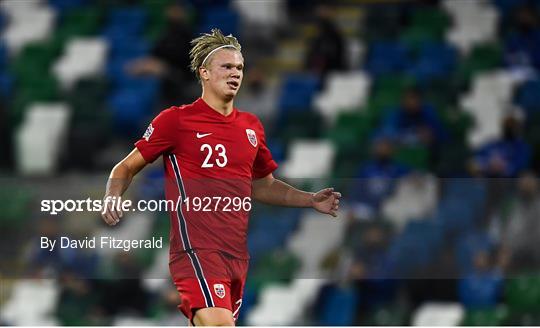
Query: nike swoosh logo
(202, 135)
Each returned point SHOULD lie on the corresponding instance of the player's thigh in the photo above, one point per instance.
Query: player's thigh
(214, 316)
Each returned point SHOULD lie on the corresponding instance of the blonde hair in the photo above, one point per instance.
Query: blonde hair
(206, 44)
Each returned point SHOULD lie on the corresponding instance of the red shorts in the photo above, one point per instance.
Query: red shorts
(208, 278)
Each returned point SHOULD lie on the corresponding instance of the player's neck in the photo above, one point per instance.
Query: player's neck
(221, 106)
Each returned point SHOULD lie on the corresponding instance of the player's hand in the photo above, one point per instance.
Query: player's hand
(111, 213)
(327, 201)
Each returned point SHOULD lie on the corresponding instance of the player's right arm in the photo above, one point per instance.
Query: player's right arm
(119, 180)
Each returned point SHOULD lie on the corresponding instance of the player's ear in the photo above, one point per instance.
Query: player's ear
(203, 73)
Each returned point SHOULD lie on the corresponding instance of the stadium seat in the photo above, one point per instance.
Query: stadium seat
(28, 23)
(79, 22)
(308, 160)
(475, 22)
(264, 13)
(16, 206)
(438, 314)
(435, 60)
(387, 58)
(486, 317)
(32, 303)
(415, 197)
(339, 306)
(523, 293)
(297, 92)
(39, 139)
(528, 96)
(227, 20)
(313, 226)
(290, 301)
(83, 57)
(343, 92)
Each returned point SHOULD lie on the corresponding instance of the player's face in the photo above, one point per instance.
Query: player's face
(225, 72)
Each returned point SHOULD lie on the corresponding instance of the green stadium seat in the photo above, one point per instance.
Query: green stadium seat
(387, 316)
(415, 36)
(15, 203)
(80, 22)
(487, 317)
(523, 293)
(413, 156)
(432, 19)
(482, 58)
(278, 266)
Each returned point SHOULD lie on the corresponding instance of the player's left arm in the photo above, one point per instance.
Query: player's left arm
(270, 190)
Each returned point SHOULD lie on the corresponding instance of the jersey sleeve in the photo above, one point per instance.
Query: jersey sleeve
(159, 137)
(264, 163)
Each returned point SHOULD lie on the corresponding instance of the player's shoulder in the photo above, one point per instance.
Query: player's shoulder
(248, 117)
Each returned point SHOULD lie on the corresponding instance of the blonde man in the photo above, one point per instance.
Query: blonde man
(215, 159)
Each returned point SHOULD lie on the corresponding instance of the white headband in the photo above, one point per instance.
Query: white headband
(211, 52)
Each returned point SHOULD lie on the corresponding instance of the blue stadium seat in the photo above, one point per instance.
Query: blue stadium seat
(435, 60)
(130, 19)
(3, 54)
(6, 85)
(455, 216)
(297, 91)
(423, 238)
(338, 305)
(61, 6)
(506, 6)
(130, 110)
(387, 57)
(225, 19)
(128, 47)
(528, 96)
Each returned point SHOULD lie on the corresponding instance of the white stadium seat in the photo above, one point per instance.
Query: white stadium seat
(343, 92)
(83, 57)
(28, 22)
(32, 303)
(438, 314)
(40, 139)
(308, 159)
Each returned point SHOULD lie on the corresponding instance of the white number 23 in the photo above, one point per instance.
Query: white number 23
(221, 160)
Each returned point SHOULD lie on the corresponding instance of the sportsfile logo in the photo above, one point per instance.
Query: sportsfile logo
(189, 204)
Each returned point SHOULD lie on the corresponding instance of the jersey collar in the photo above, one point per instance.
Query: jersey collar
(200, 103)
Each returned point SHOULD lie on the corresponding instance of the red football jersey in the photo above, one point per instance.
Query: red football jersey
(210, 161)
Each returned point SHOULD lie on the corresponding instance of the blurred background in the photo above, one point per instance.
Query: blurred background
(424, 114)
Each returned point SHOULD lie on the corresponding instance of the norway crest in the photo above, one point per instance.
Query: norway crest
(219, 289)
(252, 137)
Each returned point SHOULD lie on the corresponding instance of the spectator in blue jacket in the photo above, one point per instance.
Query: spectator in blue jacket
(506, 157)
(415, 122)
(376, 179)
(522, 46)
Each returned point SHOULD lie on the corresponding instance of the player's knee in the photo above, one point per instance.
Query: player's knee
(213, 317)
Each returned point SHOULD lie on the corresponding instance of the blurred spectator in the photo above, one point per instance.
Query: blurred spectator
(505, 157)
(415, 122)
(376, 178)
(518, 227)
(326, 51)
(482, 287)
(5, 137)
(170, 59)
(257, 96)
(522, 48)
